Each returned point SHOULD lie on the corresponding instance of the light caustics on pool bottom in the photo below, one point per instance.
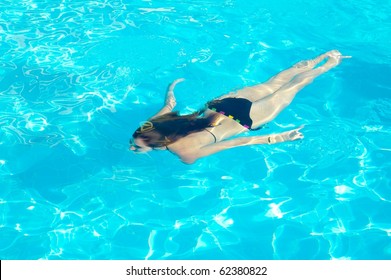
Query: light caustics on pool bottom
(77, 76)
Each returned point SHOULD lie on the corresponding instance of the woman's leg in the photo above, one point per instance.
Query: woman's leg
(260, 91)
(266, 109)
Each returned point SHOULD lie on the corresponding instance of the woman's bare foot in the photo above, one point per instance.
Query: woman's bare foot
(335, 58)
(311, 63)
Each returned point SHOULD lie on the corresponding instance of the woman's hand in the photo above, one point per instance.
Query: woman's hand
(291, 135)
(174, 83)
(170, 98)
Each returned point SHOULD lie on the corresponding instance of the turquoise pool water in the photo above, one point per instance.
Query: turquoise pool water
(76, 78)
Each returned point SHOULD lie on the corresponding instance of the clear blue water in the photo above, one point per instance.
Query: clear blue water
(76, 78)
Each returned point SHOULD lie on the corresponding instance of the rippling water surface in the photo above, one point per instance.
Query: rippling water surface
(76, 78)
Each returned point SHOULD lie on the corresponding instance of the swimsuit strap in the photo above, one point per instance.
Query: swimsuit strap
(212, 135)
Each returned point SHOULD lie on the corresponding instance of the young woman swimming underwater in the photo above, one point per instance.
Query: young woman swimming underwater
(208, 131)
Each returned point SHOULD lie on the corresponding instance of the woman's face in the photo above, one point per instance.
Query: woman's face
(138, 145)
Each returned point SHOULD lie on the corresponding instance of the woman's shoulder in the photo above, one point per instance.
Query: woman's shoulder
(184, 149)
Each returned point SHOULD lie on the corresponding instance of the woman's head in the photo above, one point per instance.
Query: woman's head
(164, 130)
(147, 137)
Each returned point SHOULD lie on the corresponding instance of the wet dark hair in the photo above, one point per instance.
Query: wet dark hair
(168, 128)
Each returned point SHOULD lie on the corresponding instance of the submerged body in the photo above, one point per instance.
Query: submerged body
(207, 132)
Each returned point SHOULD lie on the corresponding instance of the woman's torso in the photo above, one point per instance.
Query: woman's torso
(225, 128)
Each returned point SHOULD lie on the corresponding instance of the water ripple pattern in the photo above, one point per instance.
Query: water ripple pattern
(76, 77)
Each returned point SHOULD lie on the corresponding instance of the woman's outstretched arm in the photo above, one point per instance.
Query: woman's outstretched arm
(290, 135)
(170, 101)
